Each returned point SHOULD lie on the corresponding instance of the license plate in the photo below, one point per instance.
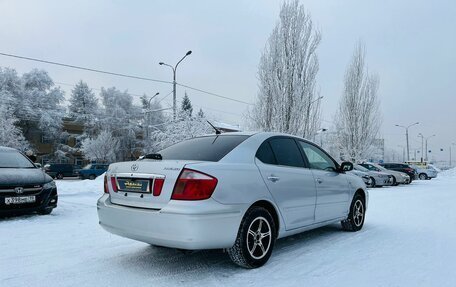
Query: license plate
(133, 185)
(19, 200)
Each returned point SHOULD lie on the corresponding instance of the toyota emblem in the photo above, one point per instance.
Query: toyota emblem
(19, 190)
(134, 167)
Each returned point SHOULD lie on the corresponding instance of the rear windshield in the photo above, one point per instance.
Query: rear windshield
(210, 148)
(13, 159)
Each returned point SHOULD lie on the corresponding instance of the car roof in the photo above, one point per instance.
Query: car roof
(4, 148)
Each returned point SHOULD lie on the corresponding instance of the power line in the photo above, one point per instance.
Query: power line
(85, 69)
(213, 94)
(120, 75)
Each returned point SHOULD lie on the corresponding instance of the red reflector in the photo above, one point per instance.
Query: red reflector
(106, 184)
(114, 184)
(158, 185)
(194, 185)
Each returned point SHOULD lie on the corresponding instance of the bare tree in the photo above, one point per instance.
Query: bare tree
(358, 119)
(287, 100)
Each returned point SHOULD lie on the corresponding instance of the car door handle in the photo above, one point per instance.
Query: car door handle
(273, 178)
(319, 180)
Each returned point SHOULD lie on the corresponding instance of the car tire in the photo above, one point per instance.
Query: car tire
(373, 184)
(92, 177)
(59, 176)
(395, 183)
(356, 216)
(255, 239)
(422, 176)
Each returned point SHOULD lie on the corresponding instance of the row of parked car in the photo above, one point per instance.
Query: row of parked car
(61, 170)
(384, 174)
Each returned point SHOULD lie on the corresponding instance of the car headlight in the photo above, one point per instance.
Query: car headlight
(49, 185)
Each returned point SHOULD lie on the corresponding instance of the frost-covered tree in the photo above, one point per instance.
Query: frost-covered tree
(184, 127)
(38, 105)
(186, 105)
(101, 148)
(122, 118)
(358, 118)
(10, 134)
(83, 107)
(287, 100)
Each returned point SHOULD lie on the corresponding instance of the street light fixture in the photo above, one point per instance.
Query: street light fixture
(174, 80)
(406, 137)
(156, 94)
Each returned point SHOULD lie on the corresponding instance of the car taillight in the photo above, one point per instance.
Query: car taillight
(194, 185)
(106, 184)
(114, 184)
(158, 185)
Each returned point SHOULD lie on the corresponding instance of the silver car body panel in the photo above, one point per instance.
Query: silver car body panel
(303, 199)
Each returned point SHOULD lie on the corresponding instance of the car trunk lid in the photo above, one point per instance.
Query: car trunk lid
(135, 182)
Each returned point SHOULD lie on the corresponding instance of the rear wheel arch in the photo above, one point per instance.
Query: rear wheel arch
(362, 193)
(271, 209)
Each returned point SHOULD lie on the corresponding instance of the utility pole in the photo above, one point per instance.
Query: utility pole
(422, 140)
(174, 81)
(407, 138)
(427, 151)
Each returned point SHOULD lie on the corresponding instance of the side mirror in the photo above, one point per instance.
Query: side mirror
(346, 166)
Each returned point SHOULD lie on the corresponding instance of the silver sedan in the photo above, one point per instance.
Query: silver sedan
(236, 191)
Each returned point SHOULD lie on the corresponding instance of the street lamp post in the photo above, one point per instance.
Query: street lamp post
(174, 81)
(148, 115)
(406, 137)
(427, 151)
(422, 140)
(451, 162)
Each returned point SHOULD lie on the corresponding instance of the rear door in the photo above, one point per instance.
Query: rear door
(333, 193)
(291, 184)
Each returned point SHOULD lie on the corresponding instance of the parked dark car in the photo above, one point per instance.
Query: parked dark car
(61, 170)
(91, 171)
(402, 167)
(24, 188)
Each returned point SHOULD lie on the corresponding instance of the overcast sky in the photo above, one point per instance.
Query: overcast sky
(410, 44)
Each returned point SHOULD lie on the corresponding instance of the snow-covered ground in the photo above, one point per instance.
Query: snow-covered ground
(409, 239)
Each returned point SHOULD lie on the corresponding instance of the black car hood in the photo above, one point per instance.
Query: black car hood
(22, 176)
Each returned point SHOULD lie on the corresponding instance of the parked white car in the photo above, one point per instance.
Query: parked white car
(398, 177)
(378, 179)
(236, 191)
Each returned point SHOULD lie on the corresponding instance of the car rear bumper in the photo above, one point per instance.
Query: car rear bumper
(188, 225)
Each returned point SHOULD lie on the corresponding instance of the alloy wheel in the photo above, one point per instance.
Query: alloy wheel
(259, 238)
(358, 213)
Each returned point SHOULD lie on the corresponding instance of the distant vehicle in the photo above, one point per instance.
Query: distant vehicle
(61, 170)
(92, 171)
(401, 167)
(426, 172)
(24, 188)
(365, 176)
(398, 177)
(378, 179)
(233, 191)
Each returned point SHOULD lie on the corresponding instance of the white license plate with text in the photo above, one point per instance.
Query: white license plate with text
(19, 200)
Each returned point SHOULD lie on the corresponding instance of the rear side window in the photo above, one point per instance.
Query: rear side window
(286, 152)
(265, 154)
(210, 148)
(14, 160)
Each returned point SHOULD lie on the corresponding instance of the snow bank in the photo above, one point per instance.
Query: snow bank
(448, 173)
